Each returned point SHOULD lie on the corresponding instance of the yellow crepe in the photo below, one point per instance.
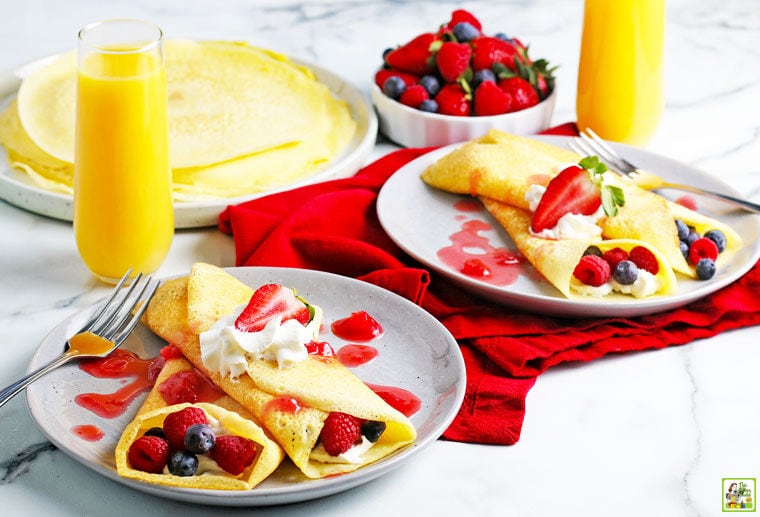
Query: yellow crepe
(241, 120)
(556, 259)
(498, 165)
(319, 385)
(268, 457)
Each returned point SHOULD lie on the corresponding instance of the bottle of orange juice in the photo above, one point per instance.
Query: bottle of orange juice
(620, 73)
(123, 214)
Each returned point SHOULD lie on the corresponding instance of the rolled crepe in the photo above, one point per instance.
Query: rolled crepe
(500, 166)
(292, 403)
(268, 453)
(556, 259)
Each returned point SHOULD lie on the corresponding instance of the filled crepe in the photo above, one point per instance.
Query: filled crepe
(558, 259)
(298, 392)
(180, 381)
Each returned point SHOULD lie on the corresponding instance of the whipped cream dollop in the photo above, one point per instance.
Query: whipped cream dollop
(569, 226)
(352, 455)
(227, 350)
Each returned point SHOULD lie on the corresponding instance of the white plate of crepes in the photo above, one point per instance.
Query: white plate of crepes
(351, 381)
(243, 121)
(501, 216)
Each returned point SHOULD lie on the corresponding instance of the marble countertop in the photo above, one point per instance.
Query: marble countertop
(650, 433)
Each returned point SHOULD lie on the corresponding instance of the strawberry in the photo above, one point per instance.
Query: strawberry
(453, 60)
(414, 95)
(340, 432)
(571, 191)
(453, 100)
(461, 15)
(413, 57)
(592, 270)
(383, 74)
(491, 100)
(233, 453)
(176, 424)
(148, 454)
(489, 51)
(644, 259)
(523, 94)
(268, 301)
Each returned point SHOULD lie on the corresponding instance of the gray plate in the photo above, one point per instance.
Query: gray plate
(416, 353)
(421, 219)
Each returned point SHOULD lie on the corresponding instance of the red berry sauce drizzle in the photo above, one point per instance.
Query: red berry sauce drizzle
(471, 253)
(361, 326)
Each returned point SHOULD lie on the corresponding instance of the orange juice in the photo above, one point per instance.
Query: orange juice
(123, 215)
(620, 73)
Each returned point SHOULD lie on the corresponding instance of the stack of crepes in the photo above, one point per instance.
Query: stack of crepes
(500, 168)
(241, 120)
(290, 404)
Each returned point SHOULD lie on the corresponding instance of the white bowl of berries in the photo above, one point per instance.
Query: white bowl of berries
(457, 83)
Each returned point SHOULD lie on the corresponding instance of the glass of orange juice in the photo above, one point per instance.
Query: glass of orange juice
(123, 214)
(620, 72)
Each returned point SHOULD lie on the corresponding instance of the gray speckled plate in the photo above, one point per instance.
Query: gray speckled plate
(416, 353)
(17, 189)
(422, 220)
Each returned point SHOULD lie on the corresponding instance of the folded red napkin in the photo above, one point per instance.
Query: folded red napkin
(333, 227)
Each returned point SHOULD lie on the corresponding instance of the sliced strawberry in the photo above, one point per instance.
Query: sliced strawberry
(268, 301)
(340, 432)
(413, 57)
(571, 191)
(491, 100)
(453, 59)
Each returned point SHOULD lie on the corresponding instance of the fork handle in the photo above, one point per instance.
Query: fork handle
(746, 205)
(21, 384)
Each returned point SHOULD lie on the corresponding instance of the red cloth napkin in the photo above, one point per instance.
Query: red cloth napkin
(333, 227)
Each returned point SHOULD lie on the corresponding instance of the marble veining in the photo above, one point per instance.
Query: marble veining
(651, 433)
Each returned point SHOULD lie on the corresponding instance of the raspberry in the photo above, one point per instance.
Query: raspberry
(702, 248)
(592, 270)
(644, 259)
(688, 202)
(340, 432)
(148, 454)
(176, 424)
(614, 256)
(233, 453)
(414, 95)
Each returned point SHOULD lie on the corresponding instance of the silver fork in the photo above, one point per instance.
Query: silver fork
(105, 331)
(589, 143)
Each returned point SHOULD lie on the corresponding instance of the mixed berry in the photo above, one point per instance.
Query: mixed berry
(342, 431)
(701, 251)
(596, 268)
(184, 436)
(459, 70)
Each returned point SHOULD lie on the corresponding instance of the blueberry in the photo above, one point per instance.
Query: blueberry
(593, 250)
(693, 236)
(503, 37)
(465, 31)
(394, 86)
(155, 431)
(372, 429)
(683, 230)
(429, 105)
(431, 84)
(386, 52)
(626, 272)
(705, 269)
(684, 249)
(481, 76)
(719, 238)
(183, 463)
(199, 438)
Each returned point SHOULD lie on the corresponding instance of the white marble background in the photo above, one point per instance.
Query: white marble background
(645, 434)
